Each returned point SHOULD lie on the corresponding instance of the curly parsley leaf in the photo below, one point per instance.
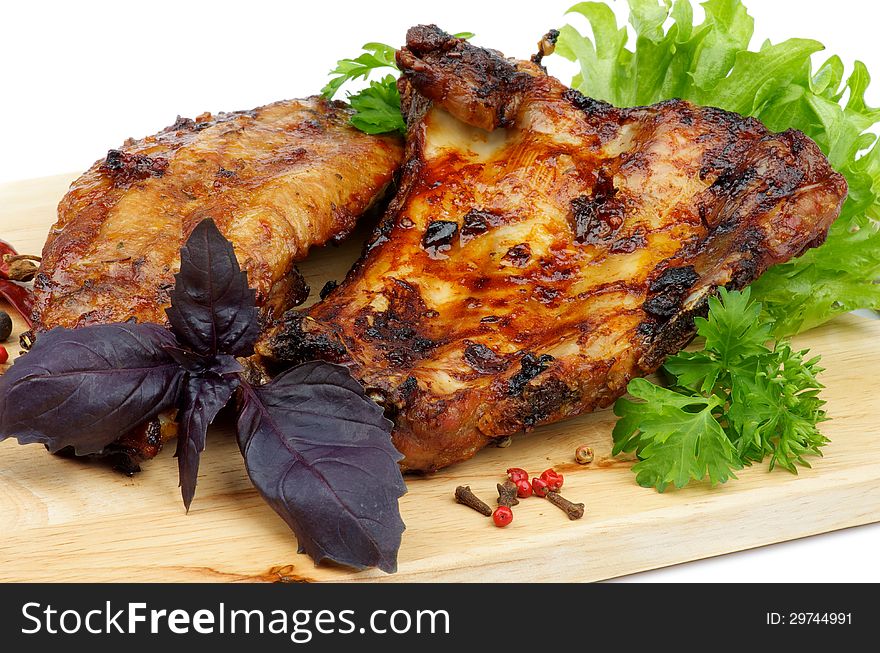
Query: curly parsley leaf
(711, 64)
(697, 370)
(734, 403)
(376, 56)
(735, 335)
(733, 329)
(676, 436)
(377, 108)
(777, 412)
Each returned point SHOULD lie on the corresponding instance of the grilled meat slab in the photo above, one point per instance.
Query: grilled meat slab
(276, 181)
(546, 248)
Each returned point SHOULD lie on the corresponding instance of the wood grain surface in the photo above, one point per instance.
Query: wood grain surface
(73, 520)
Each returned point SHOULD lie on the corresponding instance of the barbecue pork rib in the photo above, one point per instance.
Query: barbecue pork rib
(545, 248)
(276, 180)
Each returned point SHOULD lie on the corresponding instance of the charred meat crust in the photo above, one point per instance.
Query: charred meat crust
(124, 168)
(476, 85)
(296, 341)
(550, 263)
(667, 292)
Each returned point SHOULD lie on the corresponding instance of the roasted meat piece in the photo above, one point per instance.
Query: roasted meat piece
(276, 181)
(545, 248)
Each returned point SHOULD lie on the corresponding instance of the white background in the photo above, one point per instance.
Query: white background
(80, 77)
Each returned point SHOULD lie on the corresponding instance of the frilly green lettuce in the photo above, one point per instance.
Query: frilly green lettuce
(711, 64)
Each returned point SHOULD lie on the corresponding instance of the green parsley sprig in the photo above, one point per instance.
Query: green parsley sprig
(733, 403)
(376, 107)
(374, 57)
(711, 64)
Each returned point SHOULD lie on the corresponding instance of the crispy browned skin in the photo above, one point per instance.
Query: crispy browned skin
(526, 274)
(276, 181)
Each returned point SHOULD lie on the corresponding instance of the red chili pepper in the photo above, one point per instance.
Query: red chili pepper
(19, 297)
(5, 249)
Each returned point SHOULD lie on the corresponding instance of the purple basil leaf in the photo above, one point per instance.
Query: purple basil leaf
(203, 397)
(212, 309)
(218, 365)
(320, 453)
(86, 387)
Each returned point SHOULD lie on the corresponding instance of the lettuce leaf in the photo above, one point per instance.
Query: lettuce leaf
(711, 64)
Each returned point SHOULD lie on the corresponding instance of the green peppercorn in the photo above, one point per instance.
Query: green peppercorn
(5, 326)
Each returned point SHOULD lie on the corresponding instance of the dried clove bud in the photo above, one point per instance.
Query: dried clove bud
(573, 510)
(507, 494)
(466, 497)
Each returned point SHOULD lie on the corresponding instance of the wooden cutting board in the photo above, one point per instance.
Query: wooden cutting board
(72, 520)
